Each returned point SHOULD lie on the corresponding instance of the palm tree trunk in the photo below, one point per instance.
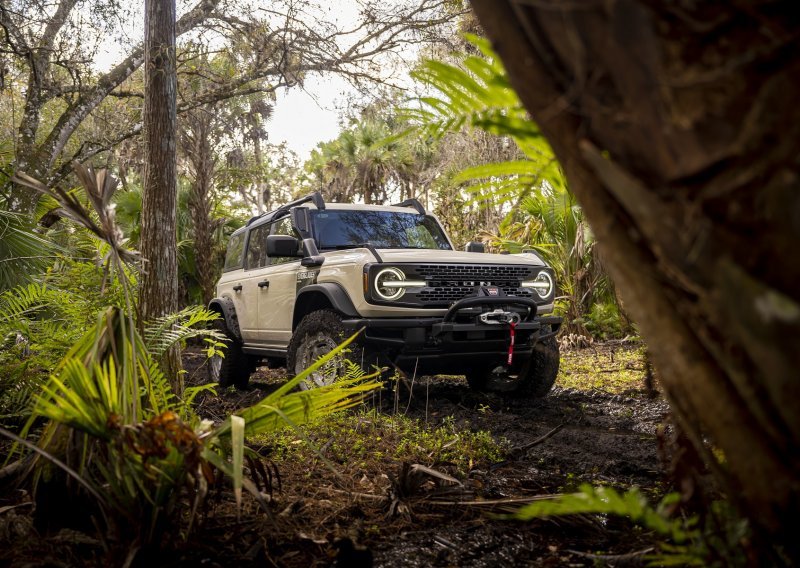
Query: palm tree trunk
(158, 289)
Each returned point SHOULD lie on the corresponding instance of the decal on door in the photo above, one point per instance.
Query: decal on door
(306, 277)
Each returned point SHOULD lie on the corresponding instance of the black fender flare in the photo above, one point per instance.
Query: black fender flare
(226, 307)
(335, 294)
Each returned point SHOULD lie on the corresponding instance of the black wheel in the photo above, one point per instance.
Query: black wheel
(538, 375)
(318, 334)
(235, 367)
(533, 379)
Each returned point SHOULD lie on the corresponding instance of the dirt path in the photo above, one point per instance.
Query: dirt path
(349, 494)
(603, 439)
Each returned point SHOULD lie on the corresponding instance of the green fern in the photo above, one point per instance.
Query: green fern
(477, 93)
(606, 500)
(684, 546)
(173, 329)
(22, 301)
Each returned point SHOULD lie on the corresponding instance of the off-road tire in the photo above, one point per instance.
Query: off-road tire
(236, 366)
(534, 379)
(317, 334)
(538, 376)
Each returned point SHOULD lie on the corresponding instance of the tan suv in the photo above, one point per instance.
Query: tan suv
(300, 279)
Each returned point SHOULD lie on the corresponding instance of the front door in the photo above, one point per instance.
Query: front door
(276, 300)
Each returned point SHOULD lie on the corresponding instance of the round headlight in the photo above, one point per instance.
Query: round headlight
(389, 276)
(543, 284)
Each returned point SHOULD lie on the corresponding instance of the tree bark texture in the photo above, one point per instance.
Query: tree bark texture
(678, 127)
(197, 146)
(158, 289)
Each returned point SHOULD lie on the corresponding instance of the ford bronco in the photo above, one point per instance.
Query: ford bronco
(300, 279)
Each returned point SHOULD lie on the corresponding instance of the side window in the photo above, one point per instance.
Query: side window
(283, 227)
(257, 248)
(233, 258)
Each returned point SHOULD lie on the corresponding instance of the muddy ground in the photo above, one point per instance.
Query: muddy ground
(331, 510)
(606, 435)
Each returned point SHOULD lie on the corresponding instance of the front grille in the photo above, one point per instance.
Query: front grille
(480, 272)
(448, 283)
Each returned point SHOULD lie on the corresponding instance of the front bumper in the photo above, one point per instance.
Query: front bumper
(457, 341)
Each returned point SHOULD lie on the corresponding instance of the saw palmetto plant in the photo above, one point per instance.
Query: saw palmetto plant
(118, 448)
(143, 457)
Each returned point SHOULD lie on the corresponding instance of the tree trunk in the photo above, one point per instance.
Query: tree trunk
(263, 198)
(201, 156)
(158, 289)
(678, 127)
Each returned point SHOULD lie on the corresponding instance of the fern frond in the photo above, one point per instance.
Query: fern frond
(605, 500)
(165, 332)
(498, 169)
(22, 301)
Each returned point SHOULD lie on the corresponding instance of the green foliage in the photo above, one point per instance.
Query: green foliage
(614, 370)
(685, 541)
(478, 94)
(41, 321)
(223, 218)
(605, 321)
(143, 448)
(606, 500)
(367, 161)
(545, 217)
(174, 329)
(368, 439)
(23, 252)
(37, 326)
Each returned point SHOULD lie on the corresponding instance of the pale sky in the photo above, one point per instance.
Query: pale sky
(304, 116)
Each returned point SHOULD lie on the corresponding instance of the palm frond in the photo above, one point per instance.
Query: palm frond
(22, 251)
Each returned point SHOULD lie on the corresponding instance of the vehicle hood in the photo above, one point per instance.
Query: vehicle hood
(453, 256)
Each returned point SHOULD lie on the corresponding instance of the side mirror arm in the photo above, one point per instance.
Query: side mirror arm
(311, 256)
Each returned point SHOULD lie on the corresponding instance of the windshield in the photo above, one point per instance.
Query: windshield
(382, 229)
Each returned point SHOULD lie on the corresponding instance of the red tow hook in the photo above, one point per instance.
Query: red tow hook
(512, 331)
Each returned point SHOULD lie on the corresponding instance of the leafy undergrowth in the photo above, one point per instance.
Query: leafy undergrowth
(371, 441)
(419, 478)
(603, 367)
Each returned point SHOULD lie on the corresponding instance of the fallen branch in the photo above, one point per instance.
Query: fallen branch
(631, 557)
(515, 452)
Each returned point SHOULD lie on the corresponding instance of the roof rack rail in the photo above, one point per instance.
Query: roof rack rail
(411, 203)
(315, 197)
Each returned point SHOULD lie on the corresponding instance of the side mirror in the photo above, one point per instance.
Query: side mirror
(283, 245)
(472, 246)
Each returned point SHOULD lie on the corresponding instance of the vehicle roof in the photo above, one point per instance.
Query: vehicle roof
(268, 217)
(365, 207)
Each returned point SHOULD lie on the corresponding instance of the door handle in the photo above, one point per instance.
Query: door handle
(237, 288)
(263, 284)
